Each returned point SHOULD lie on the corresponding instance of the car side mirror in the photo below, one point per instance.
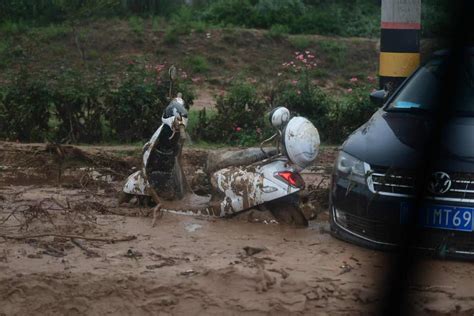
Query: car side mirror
(378, 97)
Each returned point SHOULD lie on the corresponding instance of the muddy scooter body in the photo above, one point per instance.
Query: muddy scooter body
(161, 170)
(272, 183)
(252, 178)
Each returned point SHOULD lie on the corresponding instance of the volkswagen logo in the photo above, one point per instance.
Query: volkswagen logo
(439, 183)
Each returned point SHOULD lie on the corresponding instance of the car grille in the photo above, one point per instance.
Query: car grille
(376, 230)
(392, 182)
(402, 183)
(426, 237)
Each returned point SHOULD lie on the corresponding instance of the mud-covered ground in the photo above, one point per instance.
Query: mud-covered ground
(66, 247)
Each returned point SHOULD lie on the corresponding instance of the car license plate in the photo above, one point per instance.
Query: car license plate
(441, 217)
(448, 217)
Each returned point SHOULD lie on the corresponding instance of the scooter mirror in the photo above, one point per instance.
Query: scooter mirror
(279, 116)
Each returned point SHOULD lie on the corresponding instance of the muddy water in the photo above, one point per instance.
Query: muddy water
(190, 265)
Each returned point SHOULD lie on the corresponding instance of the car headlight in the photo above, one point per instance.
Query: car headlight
(352, 168)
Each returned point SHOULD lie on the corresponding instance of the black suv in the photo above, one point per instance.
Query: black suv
(373, 186)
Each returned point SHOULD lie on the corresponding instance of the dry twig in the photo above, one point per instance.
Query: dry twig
(107, 240)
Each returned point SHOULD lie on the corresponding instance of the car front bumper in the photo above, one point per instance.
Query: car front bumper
(371, 220)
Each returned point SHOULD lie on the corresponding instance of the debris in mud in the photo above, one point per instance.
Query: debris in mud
(264, 280)
(54, 252)
(34, 236)
(159, 265)
(192, 227)
(281, 271)
(134, 254)
(90, 253)
(250, 251)
(188, 272)
(345, 268)
(37, 255)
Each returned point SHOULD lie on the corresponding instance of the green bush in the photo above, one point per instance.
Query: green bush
(230, 12)
(300, 42)
(171, 36)
(240, 118)
(78, 108)
(273, 12)
(347, 113)
(24, 109)
(73, 109)
(335, 116)
(137, 25)
(278, 31)
(182, 21)
(197, 64)
(135, 107)
(306, 99)
(336, 51)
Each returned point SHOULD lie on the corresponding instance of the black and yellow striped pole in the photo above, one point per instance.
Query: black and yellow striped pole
(399, 41)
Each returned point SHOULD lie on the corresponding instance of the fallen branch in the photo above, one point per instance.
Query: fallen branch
(89, 252)
(107, 240)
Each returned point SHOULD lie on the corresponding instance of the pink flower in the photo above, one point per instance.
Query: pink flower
(310, 56)
(349, 90)
(238, 129)
(353, 79)
(300, 57)
(307, 52)
(370, 78)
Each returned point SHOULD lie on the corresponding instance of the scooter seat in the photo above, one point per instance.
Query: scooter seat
(223, 159)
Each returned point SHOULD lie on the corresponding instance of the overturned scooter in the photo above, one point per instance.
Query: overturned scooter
(241, 180)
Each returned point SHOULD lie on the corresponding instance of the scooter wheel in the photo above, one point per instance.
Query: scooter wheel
(286, 210)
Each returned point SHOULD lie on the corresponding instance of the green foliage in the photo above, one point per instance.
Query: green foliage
(24, 109)
(9, 27)
(278, 12)
(278, 31)
(73, 108)
(155, 24)
(335, 117)
(230, 12)
(197, 64)
(327, 17)
(436, 17)
(300, 42)
(306, 99)
(336, 51)
(200, 26)
(50, 32)
(137, 25)
(348, 113)
(77, 107)
(239, 120)
(171, 36)
(135, 107)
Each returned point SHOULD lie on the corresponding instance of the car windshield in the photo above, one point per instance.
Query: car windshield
(422, 91)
